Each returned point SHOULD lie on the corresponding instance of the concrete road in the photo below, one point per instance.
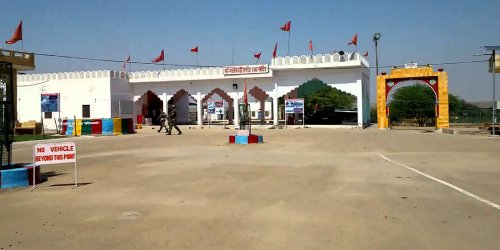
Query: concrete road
(302, 189)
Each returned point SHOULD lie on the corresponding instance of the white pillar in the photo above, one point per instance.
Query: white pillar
(275, 104)
(236, 108)
(164, 99)
(360, 103)
(199, 107)
(166, 103)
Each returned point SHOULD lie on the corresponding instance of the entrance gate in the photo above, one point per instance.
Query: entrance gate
(438, 81)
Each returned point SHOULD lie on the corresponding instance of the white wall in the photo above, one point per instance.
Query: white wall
(121, 90)
(73, 94)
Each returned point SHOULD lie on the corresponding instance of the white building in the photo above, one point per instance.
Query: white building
(104, 94)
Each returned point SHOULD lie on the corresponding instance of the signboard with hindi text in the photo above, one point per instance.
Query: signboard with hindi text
(246, 69)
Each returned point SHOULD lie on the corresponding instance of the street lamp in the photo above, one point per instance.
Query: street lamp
(493, 72)
(376, 37)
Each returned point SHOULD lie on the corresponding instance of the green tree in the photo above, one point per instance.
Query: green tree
(329, 98)
(416, 102)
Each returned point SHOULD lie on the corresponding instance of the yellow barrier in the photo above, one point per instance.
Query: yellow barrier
(117, 126)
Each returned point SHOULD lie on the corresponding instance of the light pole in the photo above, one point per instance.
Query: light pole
(376, 37)
(493, 69)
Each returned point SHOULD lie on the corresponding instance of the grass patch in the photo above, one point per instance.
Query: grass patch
(35, 137)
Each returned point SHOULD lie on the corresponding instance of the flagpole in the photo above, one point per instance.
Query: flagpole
(288, 52)
(197, 59)
(22, 45)
(232, 58)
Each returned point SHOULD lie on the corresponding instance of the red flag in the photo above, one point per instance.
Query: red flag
(286, 27)
(354, 40)
(366, 54)
(125, 63)
(245, 98)
(310, 45)
(195, 49)
(160, 58)
(257, 55)
(275, 50)
(18, 34)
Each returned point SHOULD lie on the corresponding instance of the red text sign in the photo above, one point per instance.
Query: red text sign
(54, 153)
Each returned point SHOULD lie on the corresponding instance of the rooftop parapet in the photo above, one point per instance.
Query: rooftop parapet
(319, 61)
(71, 75)
(334, 60)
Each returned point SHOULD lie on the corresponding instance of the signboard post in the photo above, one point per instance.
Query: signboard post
(295, 106)
(215, 107)
(54, 153)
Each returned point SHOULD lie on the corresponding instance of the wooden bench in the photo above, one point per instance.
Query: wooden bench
(30, 126)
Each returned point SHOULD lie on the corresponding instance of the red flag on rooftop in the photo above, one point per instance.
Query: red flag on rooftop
(18, 34)
(245, 98)
(257, 55)
(195, 49)
(287, 26)
(354, 40)
(365, 54)
(125, 63)
(275, 50)
(310, 45)
(160, 58)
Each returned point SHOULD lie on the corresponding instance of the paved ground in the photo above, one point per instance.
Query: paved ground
(302, 189)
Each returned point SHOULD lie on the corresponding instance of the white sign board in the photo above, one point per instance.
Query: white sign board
(293, 106)
(247, 69)
(243, 132)
(215, 107)
(54, 153)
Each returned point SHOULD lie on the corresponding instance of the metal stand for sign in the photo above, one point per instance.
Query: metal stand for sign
(286, 117)
(294, 114)
(76, 172)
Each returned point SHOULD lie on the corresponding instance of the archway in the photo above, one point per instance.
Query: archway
(218, 94)
(412, 104)
(149, 106)
(438, 81)
(185, 106)
(261, 106)
(324, 105)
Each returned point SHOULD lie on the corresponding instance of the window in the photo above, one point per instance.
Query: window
(85, 111)
(47, 115)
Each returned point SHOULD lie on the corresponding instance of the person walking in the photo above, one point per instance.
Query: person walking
(172, 121)
(163, 119)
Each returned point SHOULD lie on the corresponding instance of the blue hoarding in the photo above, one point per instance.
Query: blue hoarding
(50, 102)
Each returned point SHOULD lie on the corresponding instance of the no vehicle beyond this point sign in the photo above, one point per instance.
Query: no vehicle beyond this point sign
(54, 153)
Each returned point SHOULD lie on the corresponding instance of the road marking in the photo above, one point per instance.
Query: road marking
(444, 183)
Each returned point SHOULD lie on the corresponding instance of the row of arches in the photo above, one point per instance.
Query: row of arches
(263, 107)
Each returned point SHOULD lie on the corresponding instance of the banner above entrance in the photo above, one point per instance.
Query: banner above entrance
(247, 69)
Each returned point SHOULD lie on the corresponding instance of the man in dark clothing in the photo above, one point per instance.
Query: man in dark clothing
(163, 119)
(172, 121)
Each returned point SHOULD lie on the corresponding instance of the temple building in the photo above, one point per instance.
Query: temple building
(141, 95)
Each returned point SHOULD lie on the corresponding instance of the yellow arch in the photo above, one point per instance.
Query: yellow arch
(443, 116)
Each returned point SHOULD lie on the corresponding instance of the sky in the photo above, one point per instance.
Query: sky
(423, 31)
